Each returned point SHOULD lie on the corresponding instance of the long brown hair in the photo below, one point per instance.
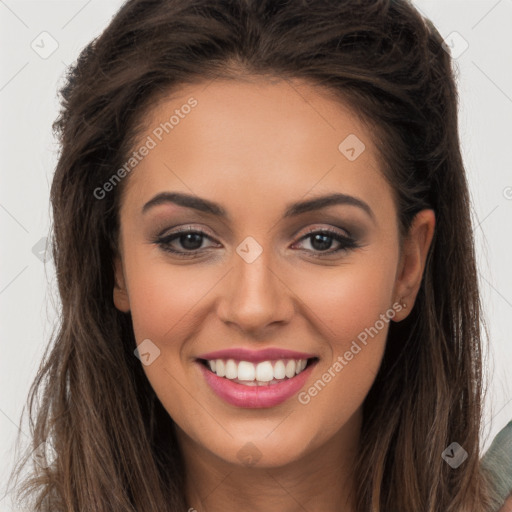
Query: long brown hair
(115, 444)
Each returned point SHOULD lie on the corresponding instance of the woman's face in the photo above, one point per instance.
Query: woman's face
(292, 255)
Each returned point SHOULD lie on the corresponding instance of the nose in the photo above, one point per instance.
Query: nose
(255, 298)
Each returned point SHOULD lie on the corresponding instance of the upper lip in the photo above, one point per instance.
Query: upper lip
(255, 356)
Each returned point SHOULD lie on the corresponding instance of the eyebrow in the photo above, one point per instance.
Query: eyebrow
(292, 210)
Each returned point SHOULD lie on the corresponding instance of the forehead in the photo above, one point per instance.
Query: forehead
(256, 140)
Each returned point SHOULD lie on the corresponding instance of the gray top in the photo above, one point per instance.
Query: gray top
(498, 462)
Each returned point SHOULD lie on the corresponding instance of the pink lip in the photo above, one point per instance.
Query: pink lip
(255, 356)
(255, 397)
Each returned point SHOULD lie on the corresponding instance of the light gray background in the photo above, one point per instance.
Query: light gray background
(28, 102)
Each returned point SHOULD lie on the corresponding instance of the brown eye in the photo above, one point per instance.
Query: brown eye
(183, 241)
(321, 241)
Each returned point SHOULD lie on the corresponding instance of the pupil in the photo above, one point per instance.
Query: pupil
(188, 241)
(325, 242)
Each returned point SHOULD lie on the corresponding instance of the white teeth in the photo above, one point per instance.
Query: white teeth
(231, 369)
(264, 371)
(290, 368)
(246, 371)
(220, 368)
(301, 364)
(279, 371)
(261, 373)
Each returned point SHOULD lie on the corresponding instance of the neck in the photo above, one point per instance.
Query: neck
(320, 480)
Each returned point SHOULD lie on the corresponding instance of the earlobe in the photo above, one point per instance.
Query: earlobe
(120, 293)
(413, 259)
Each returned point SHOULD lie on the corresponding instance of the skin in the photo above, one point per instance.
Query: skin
(254, 147)
(507, 507)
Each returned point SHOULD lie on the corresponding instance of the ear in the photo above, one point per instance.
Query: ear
(412, 261)
(121, 298)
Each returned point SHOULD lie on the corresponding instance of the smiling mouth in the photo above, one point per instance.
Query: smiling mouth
(264, 373)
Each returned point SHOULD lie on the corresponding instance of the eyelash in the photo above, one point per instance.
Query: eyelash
(164, 242)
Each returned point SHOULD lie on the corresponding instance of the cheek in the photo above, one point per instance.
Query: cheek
(165, 303)
(353, 307)
(351, 297)
(164, 297)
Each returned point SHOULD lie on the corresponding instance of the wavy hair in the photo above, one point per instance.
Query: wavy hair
(115, 444)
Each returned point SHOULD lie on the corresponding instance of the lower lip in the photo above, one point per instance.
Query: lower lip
(255, 397)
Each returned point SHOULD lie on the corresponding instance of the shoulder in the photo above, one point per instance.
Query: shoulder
(507, 507)
(497, 463)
